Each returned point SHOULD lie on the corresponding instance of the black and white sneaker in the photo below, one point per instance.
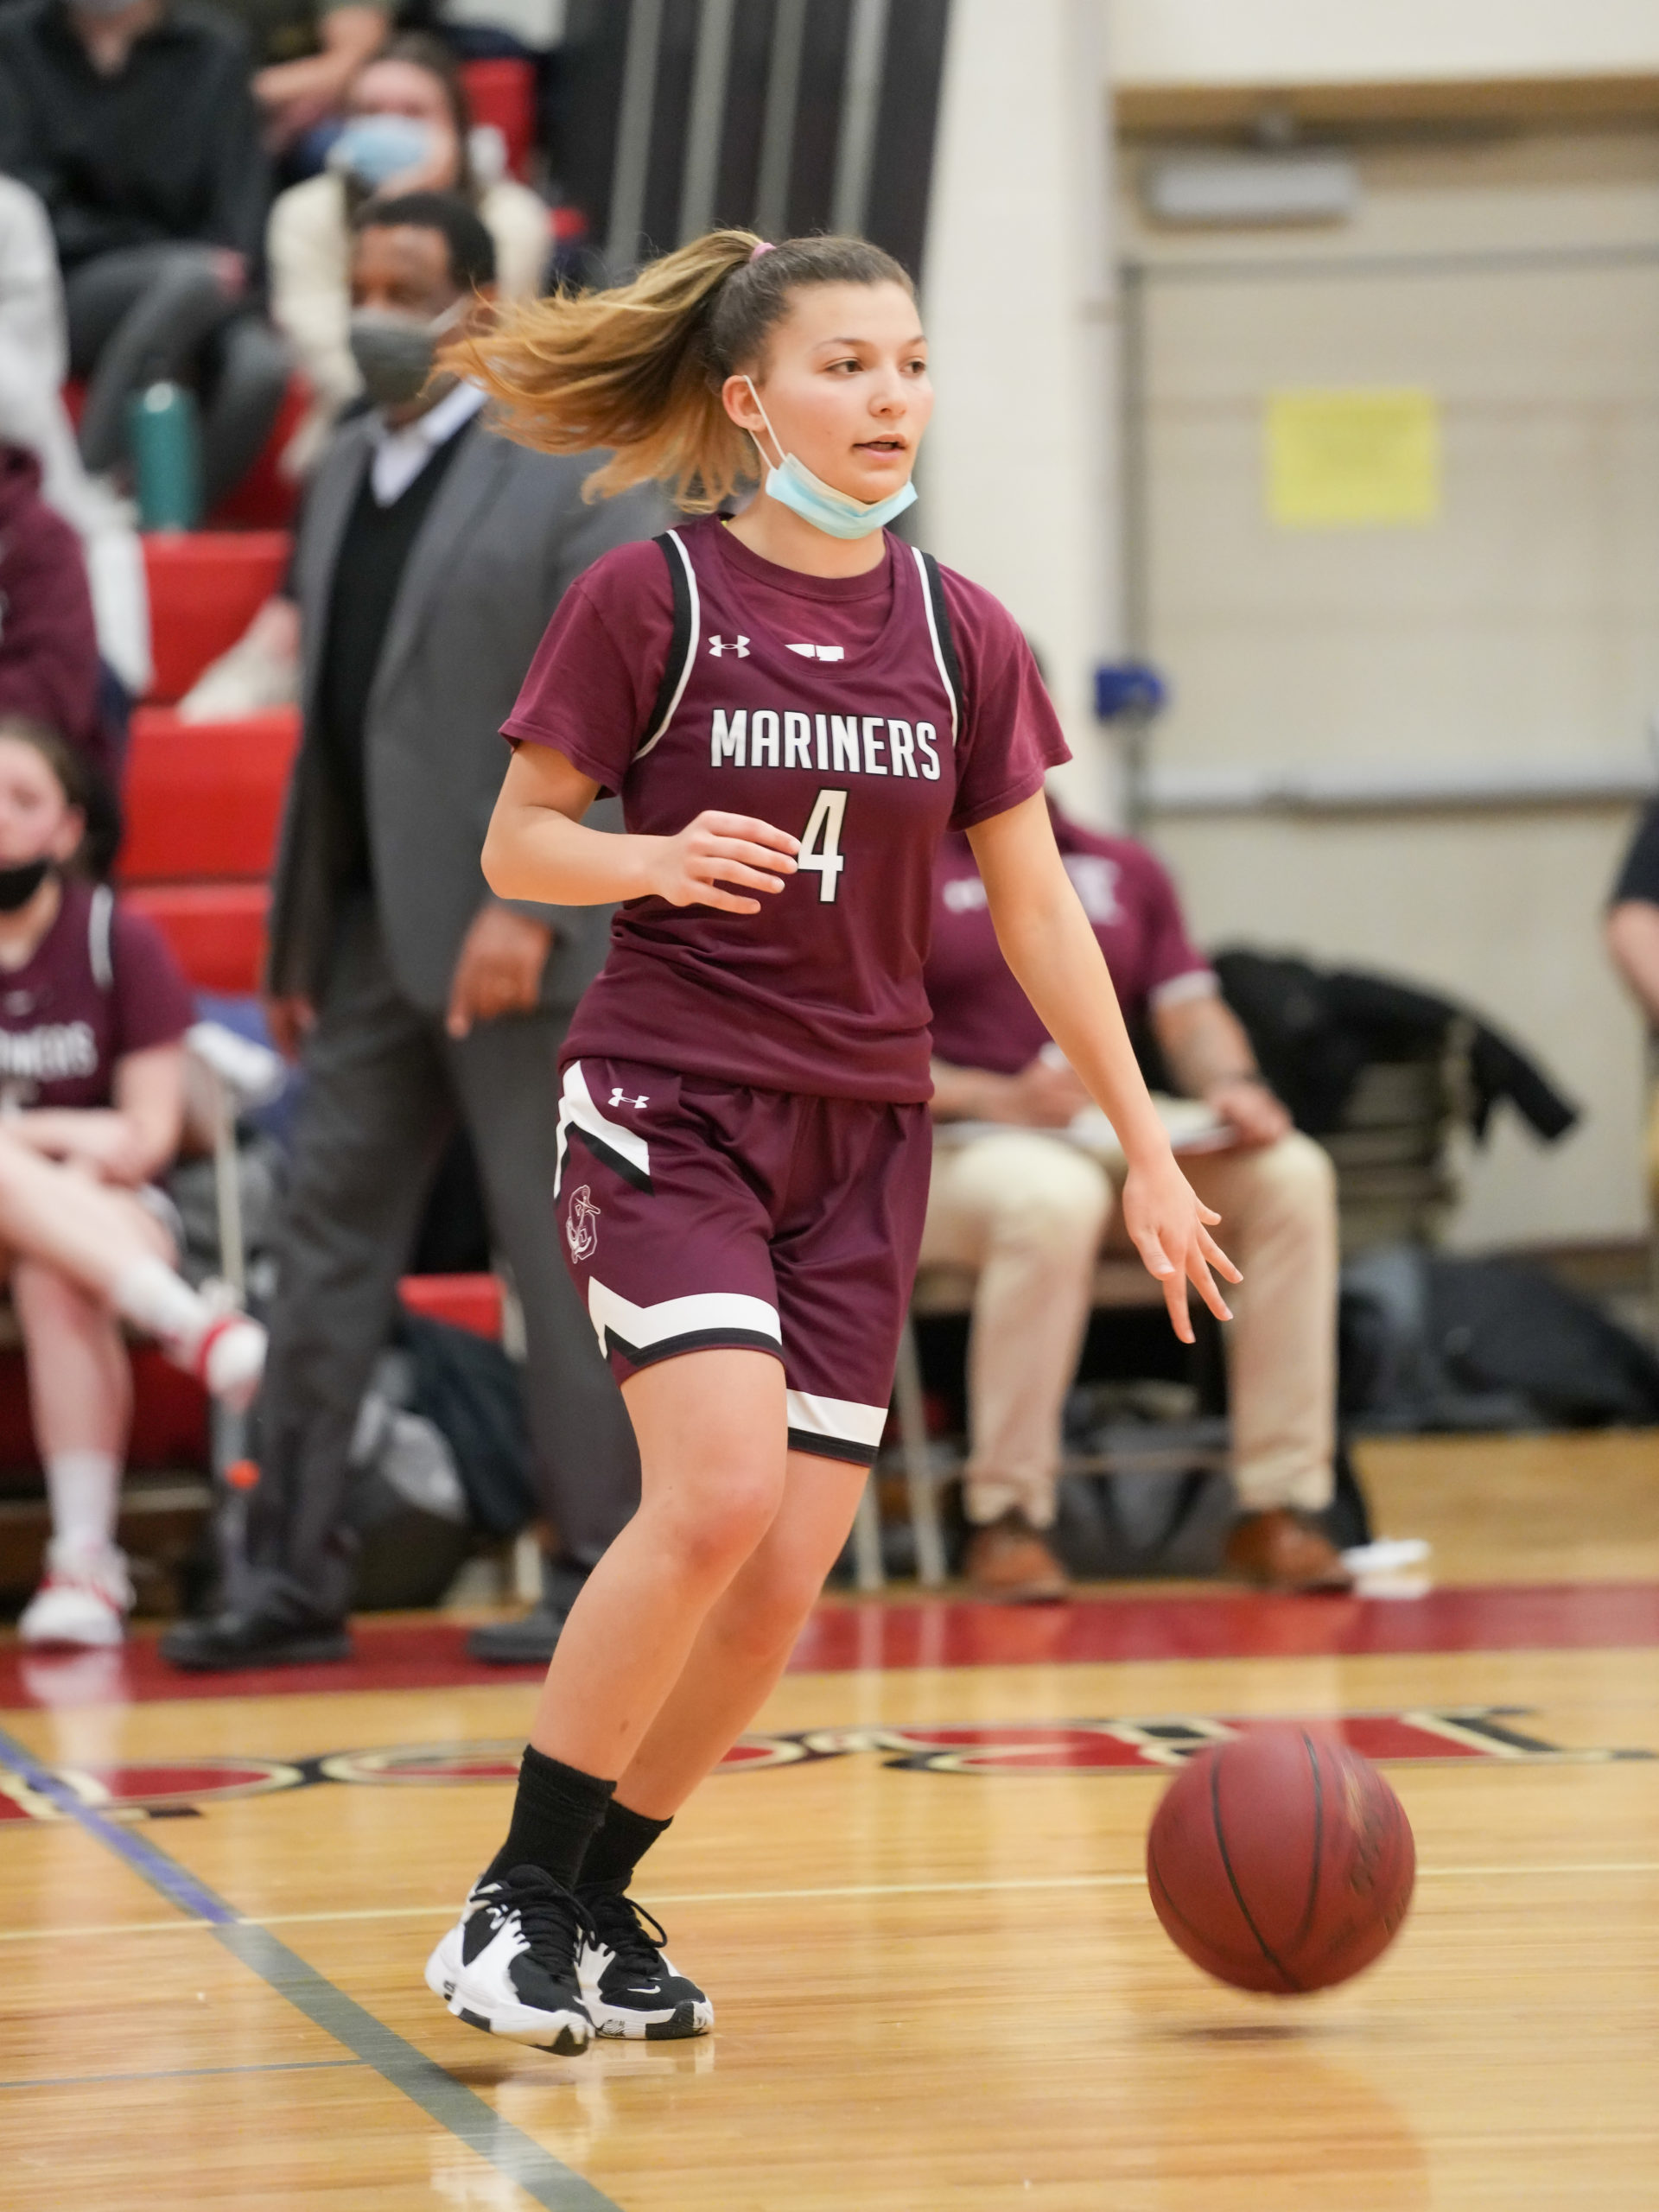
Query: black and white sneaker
(509, 1964)
(629, 1988)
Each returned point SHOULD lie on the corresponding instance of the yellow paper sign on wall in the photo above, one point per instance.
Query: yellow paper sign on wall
(1346, 459)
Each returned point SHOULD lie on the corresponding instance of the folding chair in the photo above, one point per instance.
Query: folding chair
(1123, 1448)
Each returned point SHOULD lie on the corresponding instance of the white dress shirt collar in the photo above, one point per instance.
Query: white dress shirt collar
(401, 454)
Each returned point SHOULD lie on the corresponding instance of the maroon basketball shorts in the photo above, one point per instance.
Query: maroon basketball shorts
(697, 1213)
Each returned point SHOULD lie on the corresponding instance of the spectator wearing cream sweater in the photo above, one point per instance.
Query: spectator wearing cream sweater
(408, 130)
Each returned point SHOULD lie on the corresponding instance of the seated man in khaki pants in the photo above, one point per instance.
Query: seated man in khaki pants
(1030, 1212)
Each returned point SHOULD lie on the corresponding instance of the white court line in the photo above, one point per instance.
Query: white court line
(1587, 1867)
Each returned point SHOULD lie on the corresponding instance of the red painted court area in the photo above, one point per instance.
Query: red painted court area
(1455, 1736)
(844, 1638)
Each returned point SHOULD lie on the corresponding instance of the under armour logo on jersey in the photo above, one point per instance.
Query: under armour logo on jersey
(619, 1098)
(739, 646)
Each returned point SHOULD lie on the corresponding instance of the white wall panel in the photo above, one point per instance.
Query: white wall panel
(1019, 477)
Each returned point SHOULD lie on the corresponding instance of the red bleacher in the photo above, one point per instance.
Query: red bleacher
(203, 803)
(471, 1302)
(203, 800)
(206, 586)
(267, 499)
(504, 93)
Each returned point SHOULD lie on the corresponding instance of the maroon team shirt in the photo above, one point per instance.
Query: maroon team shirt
(981, 1019)
(69, 1015)
(820, 705)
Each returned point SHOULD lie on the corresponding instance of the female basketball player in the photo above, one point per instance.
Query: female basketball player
(794, 706)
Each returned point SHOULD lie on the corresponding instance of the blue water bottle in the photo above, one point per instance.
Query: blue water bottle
(164, 443)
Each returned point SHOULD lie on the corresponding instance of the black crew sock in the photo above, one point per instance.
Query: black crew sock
(620, 1841)
(555, 1815)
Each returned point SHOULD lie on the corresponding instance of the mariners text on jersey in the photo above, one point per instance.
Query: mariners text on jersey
(833, 745)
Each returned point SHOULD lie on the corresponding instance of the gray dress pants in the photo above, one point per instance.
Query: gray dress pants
(384, 1086)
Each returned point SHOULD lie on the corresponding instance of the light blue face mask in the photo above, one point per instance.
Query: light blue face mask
(376, 148)
(836, 513)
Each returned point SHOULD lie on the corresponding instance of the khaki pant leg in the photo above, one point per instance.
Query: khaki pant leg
(1279, 1221)
(1028, 1212)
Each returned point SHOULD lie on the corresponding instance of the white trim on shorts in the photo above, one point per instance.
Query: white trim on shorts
(835, 1428)
(623, 1149)
(829, 1428)
(708, 1318)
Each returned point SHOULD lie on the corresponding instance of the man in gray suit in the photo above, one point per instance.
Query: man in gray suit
(429, 559)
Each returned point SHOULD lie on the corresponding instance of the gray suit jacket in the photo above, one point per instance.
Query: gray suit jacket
(507, 534)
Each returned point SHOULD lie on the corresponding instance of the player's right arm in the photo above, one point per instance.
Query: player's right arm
(537, 847)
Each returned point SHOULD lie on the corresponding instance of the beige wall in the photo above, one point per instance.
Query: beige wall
(1520, 629)
(1523, 628)
(1291, 43)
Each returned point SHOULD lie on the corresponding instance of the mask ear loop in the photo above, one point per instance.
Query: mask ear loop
(771, 433)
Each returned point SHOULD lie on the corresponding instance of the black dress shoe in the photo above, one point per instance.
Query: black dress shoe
(225, 1642)
(529, 1641)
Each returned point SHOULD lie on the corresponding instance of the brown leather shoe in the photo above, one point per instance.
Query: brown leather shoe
(1279, 1550)
(1008, 1562)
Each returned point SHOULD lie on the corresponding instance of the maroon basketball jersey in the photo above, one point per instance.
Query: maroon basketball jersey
(861, 757)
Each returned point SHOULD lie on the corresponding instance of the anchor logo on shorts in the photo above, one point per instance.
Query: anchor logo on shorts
(581, 1224)
(718, 645)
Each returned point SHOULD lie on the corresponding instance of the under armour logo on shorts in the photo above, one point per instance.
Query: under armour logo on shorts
(619, 1098)
(718, 645)
(580, 1224)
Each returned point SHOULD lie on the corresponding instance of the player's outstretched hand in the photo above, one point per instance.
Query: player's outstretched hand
(1170, 1228)
(721, 849)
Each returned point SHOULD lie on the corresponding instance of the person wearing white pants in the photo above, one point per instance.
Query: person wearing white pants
(1031, 1213)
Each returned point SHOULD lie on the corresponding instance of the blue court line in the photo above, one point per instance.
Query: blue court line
(460, 2111)
(181, 2074)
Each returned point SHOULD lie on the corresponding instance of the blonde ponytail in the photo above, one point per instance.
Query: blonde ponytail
(638, 369)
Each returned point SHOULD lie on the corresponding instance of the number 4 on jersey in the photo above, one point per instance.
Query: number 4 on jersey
(821, 842)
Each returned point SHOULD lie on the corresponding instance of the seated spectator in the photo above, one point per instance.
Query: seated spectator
(136, 129)
(48, 642)
(408, 130)
(92, 1017)
(34, 362)
(415, 86)
(1029, 1211)
(306, 53)
(50, 669)
(1633, 941)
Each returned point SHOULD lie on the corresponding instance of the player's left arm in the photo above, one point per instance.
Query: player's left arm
(1048, 942)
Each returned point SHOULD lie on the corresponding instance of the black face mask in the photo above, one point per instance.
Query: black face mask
(18, 884)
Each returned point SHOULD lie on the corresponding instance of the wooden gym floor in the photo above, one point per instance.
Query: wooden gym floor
(918, 1903)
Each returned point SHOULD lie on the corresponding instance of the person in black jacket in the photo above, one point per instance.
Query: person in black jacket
(134, 125)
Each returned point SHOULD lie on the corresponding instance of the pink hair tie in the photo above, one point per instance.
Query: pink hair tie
(762, 248)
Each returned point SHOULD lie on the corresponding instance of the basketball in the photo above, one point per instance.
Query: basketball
(1281, 1862)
